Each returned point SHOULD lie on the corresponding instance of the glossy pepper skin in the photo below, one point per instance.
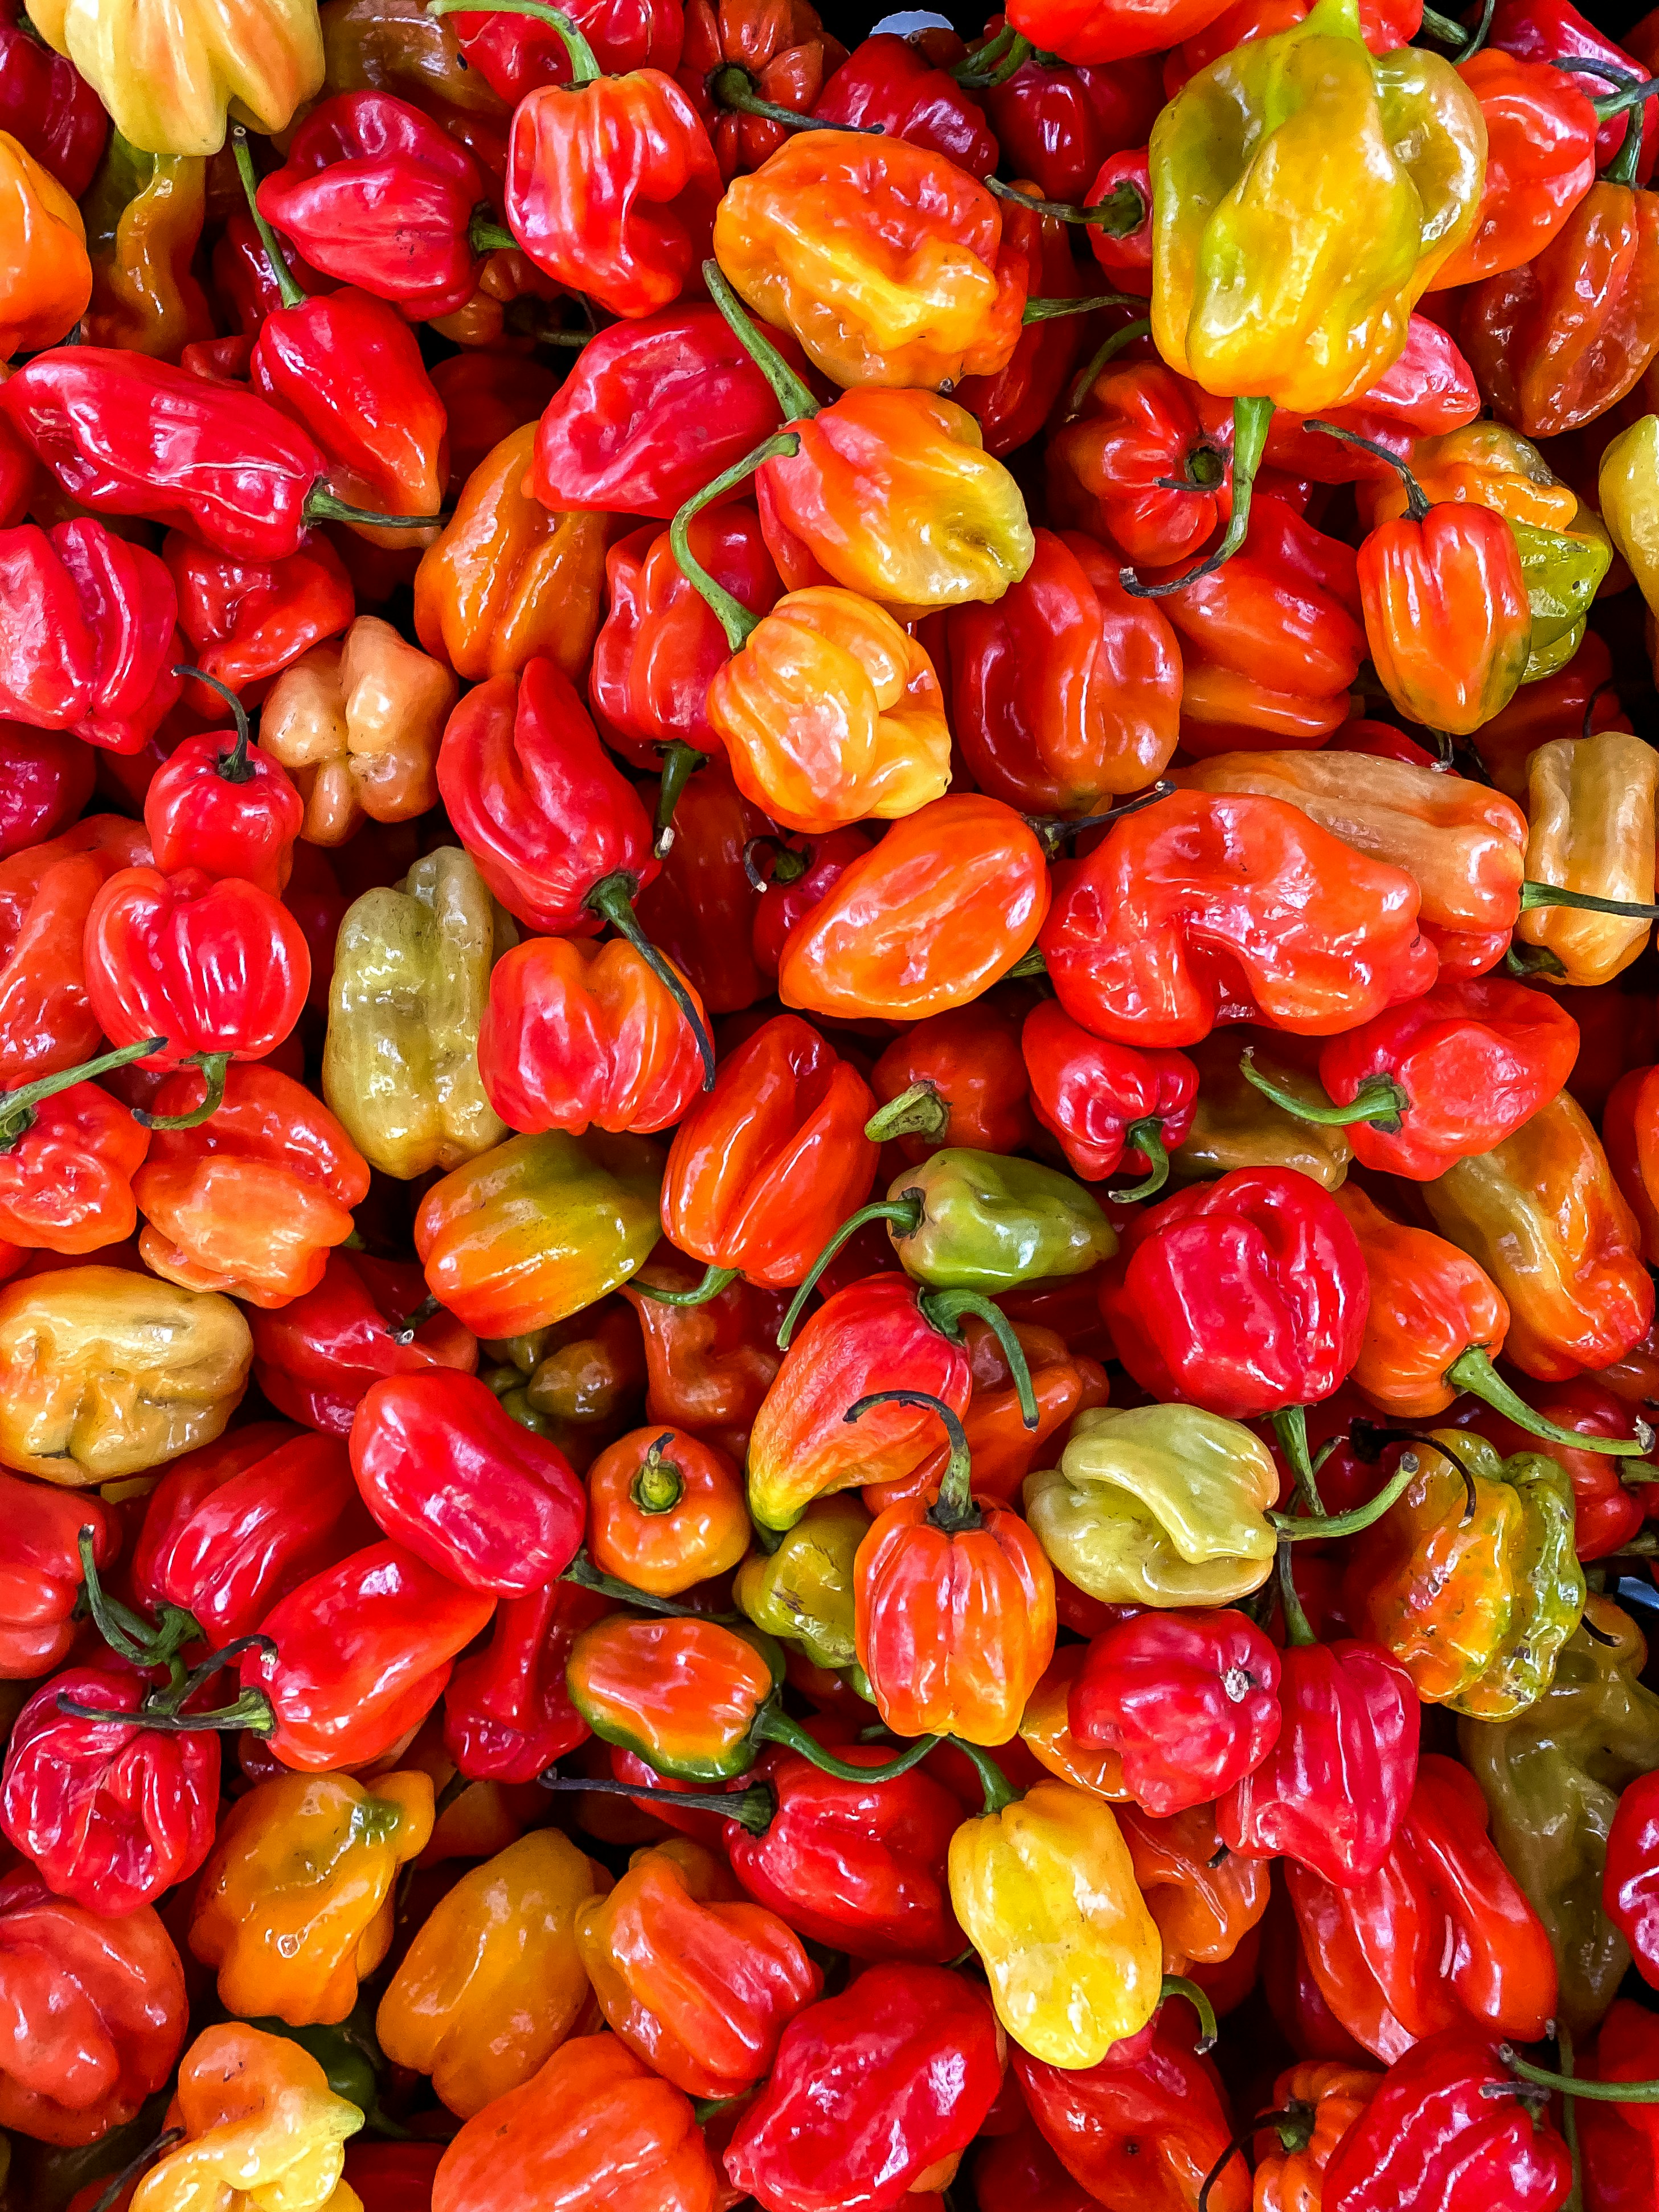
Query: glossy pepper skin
(739, 1977)
(1098, 1099)
(46, 1023)
(1540, 161)
(1589, 804)
(315, 1358)
(229, 810)
(38, 1621)
(1630, 1885)
(1206, 1901)
(870, 2090)
(1268, 1228)
(494, 1982)
(66, 1178)
(1447, 615)
(961, 1079)
(145, 215)
(1151, 458)
(1431, 1305)
(987, 1221)
(1223, 153)
(295, 1905)
(1045, 1891)
(766, 1165)
(593, 2108)
(1168, 928)
(1188, 1700)
(907, 220)
(1541, 1214)
(48, 107)
(1379, 1950)
(1476, 1057)
(1428, 2137)
(246, 618)
(479, 1498)
(118, 1980)
(1586, 1740)
(1349, 1710)
(667, 1512)
(1066, 694)
(682, 1693)
(539, 1228)
(253, 2108)
(1162, 1505)
(507, 1715)
(362, 1652)
(804, 1591)
(89, 635)
(952, 897)
(48, 781)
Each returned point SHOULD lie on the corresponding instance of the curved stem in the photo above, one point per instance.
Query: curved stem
(321, 506)
(145, 1643)
(1107, 350)
(234, 766)
(1049, 311)
(1146, 1138)
(734, 618)
(658, 1486)
(583, 67)
(1290, 1427)
(1121, 211)
(1294, 1529)
(1524, 960)
(130, 2172)
(794, 400)
(406, 1330)
(773, 1726)
(291, 293)
(613, 897)
(582, 1570)
(1533, 895)
(1473, 1370)
(752, 1808)
(680, 763)
(789, 864)
(1051, 830)
(1380, 1100)
(1447, 32)
(944, 1310)
(994, 62)
(1251, 418)
(955, 1509)
(920, 1111)
(17, 1107)
(1619, 103)
(714, 1282)
(1178, 1986)
(1029, 963)
(998, 1791)
(1574, 2085)
(484, 236)
(732, 87)
(902, 1214)
(252, 1711)
(213, 1065)
(1416, 503)
(1296, 1630)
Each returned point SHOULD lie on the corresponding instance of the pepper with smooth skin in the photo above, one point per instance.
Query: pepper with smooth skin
(315, 1358)
(957, 1076)
(222, 805)
(48, 107)
(507, 1715)
(144, 216)
(667, 1511)
(803, 1592)
(89, 635)
(48, 280)
(1188, 1700)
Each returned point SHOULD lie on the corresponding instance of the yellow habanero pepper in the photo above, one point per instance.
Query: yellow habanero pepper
(1592, 805)
(1044, 1888)
(1628, 489)
(262, 2129)
(295, 1904)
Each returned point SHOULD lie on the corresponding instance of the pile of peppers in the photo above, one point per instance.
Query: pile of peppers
(829, 1108)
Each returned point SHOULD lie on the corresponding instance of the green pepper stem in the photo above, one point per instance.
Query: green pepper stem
(321, 506)
(17, 1107)
(145, 1643)
(752, 1808)
(1294, 1529)
(1107, 350)
(1380, 1100)
(1473, 1370)
(1527, 960)
(1121, 211)
(213, 1065)
(1146, 1138)
(1049, 311)
(955, 1509)
(1634, 91)
(658, 1486)
(773, 1726)
(1417, 500)
(1619, 103)
(704, 2109)
(1447, 32)
(613, 897)
(789, 864)
(997, 1790)
(234, 766)
(994, 62)
(584, 66)
(1533, 896)
(714, 1282)
(582, 1570)
(795, 401)
(1574, 2085)
(135, 2165)
(1290, 1427)
(680, 763)
(944, 1310)
(733, 87)
(1178, 1986)
(486, 237)
(252, 1711)
(406, 1330)
(291, 293)
(1251, 420)
(903, 1216)
(920, 1111)
(1296, 1630)
(1029, 963)
(734, 618)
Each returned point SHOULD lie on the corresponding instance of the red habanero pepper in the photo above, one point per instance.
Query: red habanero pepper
(1429, 389)
(314, 1358)
(1440, 1936)
(1448, 2130)
(1012, 406)
(765, 1167)
(233, 1527)
(957, 1079)
(354, 1659)
(47, 106)
(802, 874)
(1108, 1103)
(1618, 2143)
(247, 619)
(1056, 122)
(887, 81)
(1013, 2171)
(507, 1714)
(245, 284)
(445, 1473)
(221, 804)
(1107, 31)
(1126, 180)
(46, 780)
(1605, 1513)
(703, 909)
(89, 634)
(486, 397)
(47, 1021)
(1205, 908)
(1189, 1701)
(786, 57)
(1630, 1883)
(653, 412)
(870, 2090)
(1540, 161)
(1630, 1134)
(708, 1367)
(1247, 1297)
(1148, 465)
(515, 54)
(41, 1596)
(1067, 692)
(1553, 30)
(354, 158)
(67, 1161)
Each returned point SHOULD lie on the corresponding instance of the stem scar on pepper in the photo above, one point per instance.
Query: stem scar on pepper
(1251, 420)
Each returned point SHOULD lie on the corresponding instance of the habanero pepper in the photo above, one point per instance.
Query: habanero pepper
(47, 106)
(1108, 1103)
(89, 635)
(39, 1620)
(315, 1358)
(220, 803)
(48, 278)
(1206, 1901)
(1592, 804)
(67, 1154)
(667, 1512)
(702, 909)
(46, 1023)
(956, 1078)
(248, 620)
(507, 1714)
(889, 83)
